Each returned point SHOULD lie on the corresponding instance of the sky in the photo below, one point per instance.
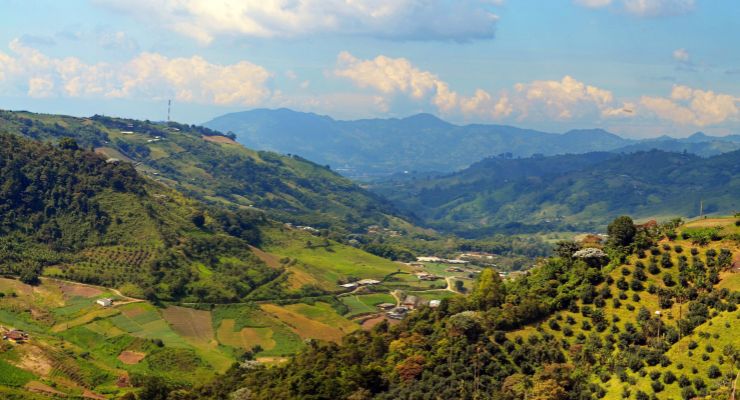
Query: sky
(638, 68)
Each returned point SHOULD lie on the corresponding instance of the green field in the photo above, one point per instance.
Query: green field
(330, 263)
(366, 303)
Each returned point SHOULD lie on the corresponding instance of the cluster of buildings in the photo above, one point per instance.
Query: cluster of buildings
(439, 260)
(361, 282)
(409, 303)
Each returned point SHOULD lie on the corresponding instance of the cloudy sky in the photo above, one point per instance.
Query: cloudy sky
(640, 68)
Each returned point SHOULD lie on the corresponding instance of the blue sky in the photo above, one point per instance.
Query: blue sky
(640, 68)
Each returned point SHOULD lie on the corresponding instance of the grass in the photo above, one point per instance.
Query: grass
(260, 326)
(365, 304)
(329, 263)
(11, 375)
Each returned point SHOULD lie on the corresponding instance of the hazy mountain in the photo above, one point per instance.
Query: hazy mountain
(381, 146)
(423, 142)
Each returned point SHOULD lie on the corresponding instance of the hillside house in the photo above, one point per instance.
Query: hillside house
(16, 336)
(410, 302)
(397, 313)
(350, 285)
(386, 306)
(107, 302)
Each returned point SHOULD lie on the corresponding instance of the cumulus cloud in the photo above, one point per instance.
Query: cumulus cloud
(565, 99)
(681, 55)
(146, 76)
(688, 106)
(204, 20)
(643, 8)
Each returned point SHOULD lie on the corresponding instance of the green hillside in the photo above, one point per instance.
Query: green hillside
(569, 192)
(213, 168)
(582, 325)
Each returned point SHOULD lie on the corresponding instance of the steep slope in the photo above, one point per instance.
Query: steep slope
(569, 192)
(213, 168)
(578, 326)
(68, 213)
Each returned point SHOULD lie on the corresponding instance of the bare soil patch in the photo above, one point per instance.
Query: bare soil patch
(219, 139)
(71, 290)
(131, 357)
(190, 323)
(271, 260)
(38, 387)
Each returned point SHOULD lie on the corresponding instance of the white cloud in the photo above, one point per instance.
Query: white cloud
(593, 3)
(643, 8)
(658, 8)
(146, 76)
(205, 20)
(681, 55)
(546, 100)
(688, 106)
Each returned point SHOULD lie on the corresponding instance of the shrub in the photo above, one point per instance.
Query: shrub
(714, 372)
(654, 375)
(678, 248)
(693, 345)
(640, 395)
(699, 383)
(669, 377)
(709, 348)
(688, 393)
(668, 280)
(657, 386)
(666, 247)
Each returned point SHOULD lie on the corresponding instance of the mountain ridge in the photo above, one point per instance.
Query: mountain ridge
(365, 148)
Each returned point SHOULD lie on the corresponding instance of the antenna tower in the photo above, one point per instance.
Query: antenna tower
(169, 107)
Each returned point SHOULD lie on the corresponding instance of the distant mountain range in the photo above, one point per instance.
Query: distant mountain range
(423, 142)
(568, 192)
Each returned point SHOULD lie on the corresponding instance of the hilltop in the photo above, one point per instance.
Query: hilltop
(212, 168)
(369, 148)
(568, 192)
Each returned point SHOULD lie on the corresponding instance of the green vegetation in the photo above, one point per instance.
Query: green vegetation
(291, 188)
(366, 303)
(580, 325)
(568, 192)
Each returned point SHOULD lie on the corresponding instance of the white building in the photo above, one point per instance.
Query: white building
(107, 302)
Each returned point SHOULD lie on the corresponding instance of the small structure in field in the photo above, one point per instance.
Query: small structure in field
(434, 303)
(106, 302)
(350, 285)
(16, 336)
(366, 282)
(386, 306)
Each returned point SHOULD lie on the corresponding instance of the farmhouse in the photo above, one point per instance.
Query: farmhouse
(350, 285)
(397, 313)
(386, 306)
(434, 303)
(429, 259)
(410, 302)
(107, 302)
(16, 336)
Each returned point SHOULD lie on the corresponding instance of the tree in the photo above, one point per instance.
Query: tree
(566, 248)
(489, 291)
(622, 231)
(67, 143)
